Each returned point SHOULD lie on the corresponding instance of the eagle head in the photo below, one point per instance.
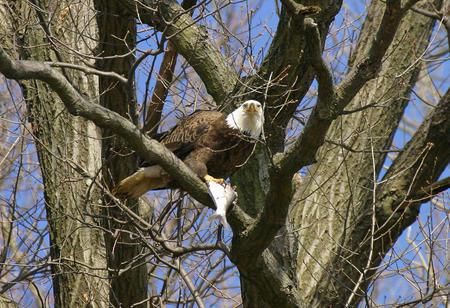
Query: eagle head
(248, 118)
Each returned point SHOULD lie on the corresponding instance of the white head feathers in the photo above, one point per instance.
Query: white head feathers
(248, 118)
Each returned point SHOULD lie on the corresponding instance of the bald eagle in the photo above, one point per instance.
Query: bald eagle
(211, 144)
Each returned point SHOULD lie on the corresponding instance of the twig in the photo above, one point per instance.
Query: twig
(425, 193)
(89, 70)
(189, 284)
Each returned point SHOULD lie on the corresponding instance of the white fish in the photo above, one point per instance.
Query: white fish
(223, 196)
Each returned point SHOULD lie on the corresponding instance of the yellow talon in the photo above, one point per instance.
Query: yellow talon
(209, 178)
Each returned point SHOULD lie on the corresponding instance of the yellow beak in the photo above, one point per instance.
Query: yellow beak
(251, 108)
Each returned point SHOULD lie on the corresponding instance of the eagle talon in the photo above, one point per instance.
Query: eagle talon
(209, 178)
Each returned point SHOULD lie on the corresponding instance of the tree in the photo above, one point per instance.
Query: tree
(324, 198)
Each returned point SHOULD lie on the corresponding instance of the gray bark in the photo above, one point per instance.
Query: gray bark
(65, 145)
(332, 209)
(335, 202)
(116, 35)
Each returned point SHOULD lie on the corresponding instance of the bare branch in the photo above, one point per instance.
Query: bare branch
(409, 178)
(163, 82)
(190, 40)
(367, 67)
(189, 284)
(332, 102)
(443, 16)
(323, 73)
(325, 110)
(89, 70)
(148, 148)
(426, 13)
(426, 193)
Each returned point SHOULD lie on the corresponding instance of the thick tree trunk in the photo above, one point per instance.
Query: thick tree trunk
(65, 144)
(333, 210)
(117, 40)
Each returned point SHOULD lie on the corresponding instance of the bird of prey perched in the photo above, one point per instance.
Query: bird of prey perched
(211, 144)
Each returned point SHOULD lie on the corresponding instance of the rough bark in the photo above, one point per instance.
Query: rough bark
(117, 32)
(66, 145)
(286, 75)
(329, 203)
(336, 200)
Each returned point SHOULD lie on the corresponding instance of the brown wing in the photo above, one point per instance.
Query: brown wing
(183, 137)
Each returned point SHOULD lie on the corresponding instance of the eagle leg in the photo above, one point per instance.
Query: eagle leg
(209, 178)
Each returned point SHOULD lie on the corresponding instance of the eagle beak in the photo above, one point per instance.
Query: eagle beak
(251, 108)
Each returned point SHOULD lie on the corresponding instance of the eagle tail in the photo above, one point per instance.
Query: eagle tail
(140, 182)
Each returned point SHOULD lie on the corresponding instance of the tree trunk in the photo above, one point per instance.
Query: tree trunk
(333, 209)
(69, 152)
(117, 40)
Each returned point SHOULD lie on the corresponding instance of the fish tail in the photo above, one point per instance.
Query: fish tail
(221, 217)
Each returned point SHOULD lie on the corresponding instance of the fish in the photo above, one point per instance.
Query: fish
(223, 196)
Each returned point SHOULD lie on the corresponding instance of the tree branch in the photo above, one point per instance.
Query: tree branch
(163, 82)
(367, 67)
(190, 40)
(184, 275)
(426, 13)
(323, 73)
(332, 101)
(426, 193)
(148, 148)
(421, 162)
(329, 105)
(303, 151)
(415, 168)
(89, 70)
(161, 90)
(443, 15)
